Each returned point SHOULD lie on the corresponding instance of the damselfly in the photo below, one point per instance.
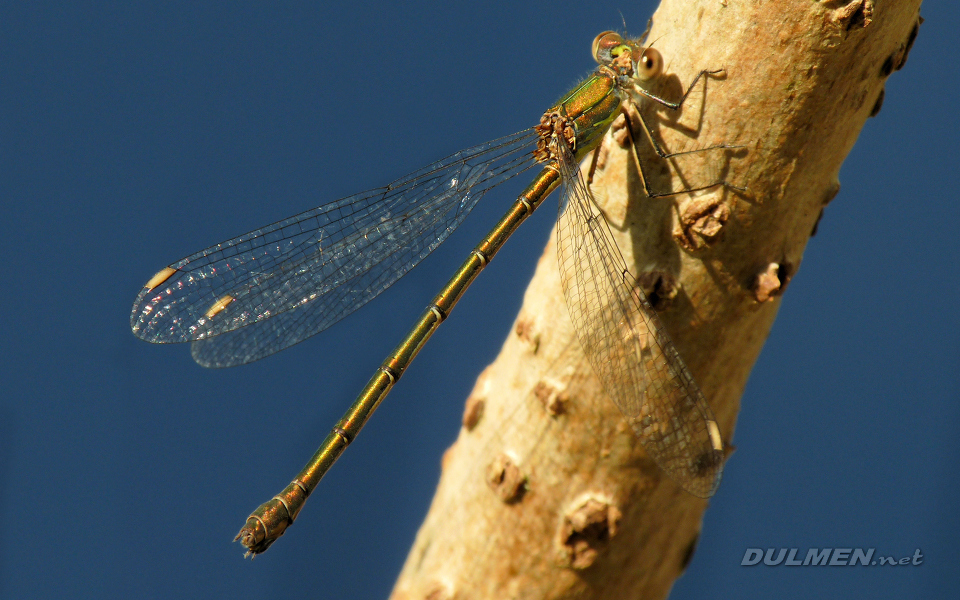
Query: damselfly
(273, 287)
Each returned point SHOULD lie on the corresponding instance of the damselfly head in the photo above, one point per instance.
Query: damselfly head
(627, 57)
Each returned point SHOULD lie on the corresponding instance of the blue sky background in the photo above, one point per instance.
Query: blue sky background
(132, 134)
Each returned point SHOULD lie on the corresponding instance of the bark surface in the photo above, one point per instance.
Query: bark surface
(547, 492)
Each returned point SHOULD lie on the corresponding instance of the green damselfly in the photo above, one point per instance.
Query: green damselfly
(273, 287)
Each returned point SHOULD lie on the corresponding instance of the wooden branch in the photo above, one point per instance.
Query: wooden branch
(547, 492)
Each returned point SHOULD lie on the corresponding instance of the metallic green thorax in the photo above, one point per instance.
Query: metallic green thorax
(592, 105)
(581, 118)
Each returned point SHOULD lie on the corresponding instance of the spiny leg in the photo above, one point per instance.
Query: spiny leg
(593, 164)
(665, 155)
(675, 105)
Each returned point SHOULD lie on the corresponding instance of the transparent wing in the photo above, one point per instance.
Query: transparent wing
(623, 339)
(248, 297)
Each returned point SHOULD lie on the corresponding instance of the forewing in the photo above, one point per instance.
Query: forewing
(268, 289)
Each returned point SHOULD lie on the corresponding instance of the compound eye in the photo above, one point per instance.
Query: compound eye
(603, 43)
(650, 64)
